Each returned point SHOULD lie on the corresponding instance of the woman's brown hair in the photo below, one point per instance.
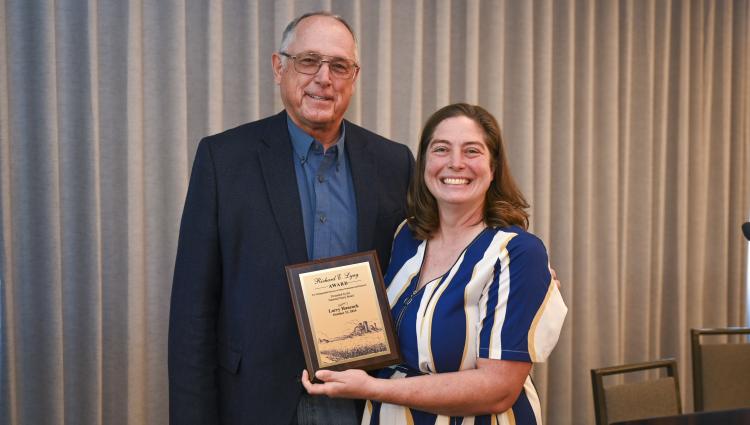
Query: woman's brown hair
(504, 204)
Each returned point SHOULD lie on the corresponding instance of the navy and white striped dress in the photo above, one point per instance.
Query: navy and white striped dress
(497, 301)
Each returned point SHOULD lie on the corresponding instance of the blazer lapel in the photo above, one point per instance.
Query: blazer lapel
(277, 165)
(364, 177)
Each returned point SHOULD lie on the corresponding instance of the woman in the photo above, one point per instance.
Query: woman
(470, 290)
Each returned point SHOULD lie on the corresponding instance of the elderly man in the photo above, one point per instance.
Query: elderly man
(300, 185)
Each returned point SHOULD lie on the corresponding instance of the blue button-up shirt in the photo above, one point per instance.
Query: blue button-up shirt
(326, 191)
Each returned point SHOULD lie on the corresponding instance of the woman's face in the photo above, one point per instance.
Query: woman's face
(457, 167)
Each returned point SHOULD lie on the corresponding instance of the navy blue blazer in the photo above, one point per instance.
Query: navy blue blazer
(234, 350)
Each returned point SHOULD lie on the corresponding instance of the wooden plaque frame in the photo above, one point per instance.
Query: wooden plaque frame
(343, 314)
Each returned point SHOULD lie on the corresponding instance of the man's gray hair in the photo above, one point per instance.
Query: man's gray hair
(290, 31)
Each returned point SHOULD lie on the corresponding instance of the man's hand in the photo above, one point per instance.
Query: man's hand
(554, 277)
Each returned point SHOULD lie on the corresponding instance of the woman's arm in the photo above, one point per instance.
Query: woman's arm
(490, 388)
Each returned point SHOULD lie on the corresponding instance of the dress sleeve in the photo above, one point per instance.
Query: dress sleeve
(522, 311)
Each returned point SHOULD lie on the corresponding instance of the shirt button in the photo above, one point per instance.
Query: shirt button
(322, 218)
(321, 178)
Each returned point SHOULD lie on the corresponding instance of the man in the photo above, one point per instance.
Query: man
(290, 188)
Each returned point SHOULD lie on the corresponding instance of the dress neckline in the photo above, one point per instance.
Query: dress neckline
(447, 272)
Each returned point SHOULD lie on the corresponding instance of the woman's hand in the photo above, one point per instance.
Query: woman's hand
(352, 383)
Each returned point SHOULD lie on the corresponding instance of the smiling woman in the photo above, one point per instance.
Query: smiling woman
(470, 290)
(478, 130)
(458, 169)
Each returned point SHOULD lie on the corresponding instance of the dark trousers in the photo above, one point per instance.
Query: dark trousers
(322, 410)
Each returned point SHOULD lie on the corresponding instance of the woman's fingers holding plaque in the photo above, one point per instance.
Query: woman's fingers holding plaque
(352, 383)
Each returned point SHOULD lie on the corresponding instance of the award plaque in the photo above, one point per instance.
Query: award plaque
(343, 314)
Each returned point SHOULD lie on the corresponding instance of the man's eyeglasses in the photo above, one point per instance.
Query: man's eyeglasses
(310, 63)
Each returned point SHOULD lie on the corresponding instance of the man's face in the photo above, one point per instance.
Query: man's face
(316, 103)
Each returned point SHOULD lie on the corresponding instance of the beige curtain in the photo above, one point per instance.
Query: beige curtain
(627, 124)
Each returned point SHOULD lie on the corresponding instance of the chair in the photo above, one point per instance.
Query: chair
(721, 371)
(631, 401)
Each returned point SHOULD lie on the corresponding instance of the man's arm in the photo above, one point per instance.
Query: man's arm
(196, 291)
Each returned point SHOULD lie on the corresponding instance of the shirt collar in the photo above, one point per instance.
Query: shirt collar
(303, 142)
